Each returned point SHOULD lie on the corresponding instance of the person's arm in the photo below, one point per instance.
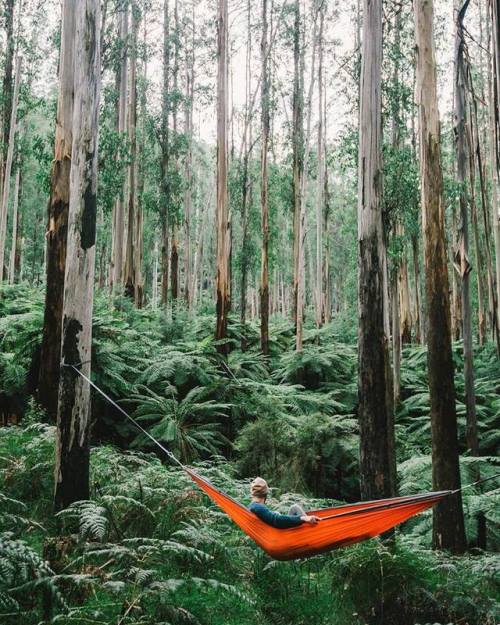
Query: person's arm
(280, 521)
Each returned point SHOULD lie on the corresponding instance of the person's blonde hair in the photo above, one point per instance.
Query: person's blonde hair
(259, 487)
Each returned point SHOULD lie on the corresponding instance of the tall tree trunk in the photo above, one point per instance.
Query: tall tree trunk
(476, 148)
(462, 253)
(198, 257)
(6, 102)
(174, 254)
(18, 260)
(448, 520)
(399, 273)
(138, 244)
(4, 207)
(174, 267)
(15, 223)
(188, 113)
(419, 321)
(154, 285)
(222, 207)
(119, 208)
(298, 171)
(165, 154)
(57, 228)
(494, 145)
(264, 188)
(320, 186)
(246, 182)
(471, 141)
(73, 410)
(375, 410)
(129, 272)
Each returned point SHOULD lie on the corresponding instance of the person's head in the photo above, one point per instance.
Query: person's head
(259, 489)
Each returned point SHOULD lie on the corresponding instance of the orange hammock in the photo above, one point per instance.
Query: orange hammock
(341, 526)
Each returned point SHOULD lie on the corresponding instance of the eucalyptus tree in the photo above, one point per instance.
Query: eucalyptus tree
(375, 406)
(298, 172)
(462, 253)
(494, 129)
(4, 200)
(73, 410)
(7, 87)
(264, 184)
(448, 521)
(222, 202)
(58, 208)
(118, 225)
(164, 136)
(129, 269)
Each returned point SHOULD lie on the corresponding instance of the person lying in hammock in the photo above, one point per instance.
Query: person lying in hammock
(296, 515)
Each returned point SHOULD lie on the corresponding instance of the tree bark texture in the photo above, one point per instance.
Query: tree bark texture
(222, 206)
(57, 228)
(448, 521)
(375, 410)
(264, 187)
(73, 414)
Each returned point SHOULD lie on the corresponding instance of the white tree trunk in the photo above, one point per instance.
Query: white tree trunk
(119, 208)
(73, 415)
(15, 220)
(4, 207)
(222, 211)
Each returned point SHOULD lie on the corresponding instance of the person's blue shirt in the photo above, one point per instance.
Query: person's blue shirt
(281, 521)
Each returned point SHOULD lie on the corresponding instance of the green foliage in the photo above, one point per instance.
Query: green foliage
(188, 426)
(148, 547)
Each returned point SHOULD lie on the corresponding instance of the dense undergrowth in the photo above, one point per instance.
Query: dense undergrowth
(149, 548)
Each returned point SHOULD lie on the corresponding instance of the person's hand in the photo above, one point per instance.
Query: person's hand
(310, 518)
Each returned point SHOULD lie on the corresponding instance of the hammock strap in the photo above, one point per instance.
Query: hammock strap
(123, 412)
(179, 463)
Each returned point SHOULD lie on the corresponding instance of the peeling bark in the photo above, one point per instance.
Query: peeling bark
(57, 227)
(73, 411)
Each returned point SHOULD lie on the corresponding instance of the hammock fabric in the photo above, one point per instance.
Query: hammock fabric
(341, 526)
